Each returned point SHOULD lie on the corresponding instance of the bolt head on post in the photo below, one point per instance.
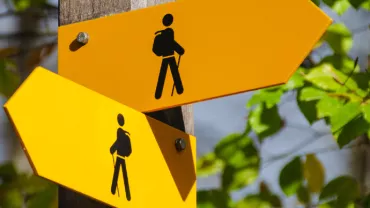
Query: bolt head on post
(180, 144)
(82, 38)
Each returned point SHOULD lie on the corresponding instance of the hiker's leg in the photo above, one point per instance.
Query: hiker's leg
(161, 78)
(115, 176)
(125, 180)
(176, 76)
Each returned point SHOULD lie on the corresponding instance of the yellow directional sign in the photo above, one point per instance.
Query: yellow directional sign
(94, 145)
(188, 51)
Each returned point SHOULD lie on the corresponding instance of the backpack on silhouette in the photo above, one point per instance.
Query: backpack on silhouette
(159, 40)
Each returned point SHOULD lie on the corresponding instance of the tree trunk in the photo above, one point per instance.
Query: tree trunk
(71, 11)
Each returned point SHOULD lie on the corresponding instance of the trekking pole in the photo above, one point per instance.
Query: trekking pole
(117, 181)
(178, 66)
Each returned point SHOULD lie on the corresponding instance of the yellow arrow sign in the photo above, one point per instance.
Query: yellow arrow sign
(99, 147)
(225, 48)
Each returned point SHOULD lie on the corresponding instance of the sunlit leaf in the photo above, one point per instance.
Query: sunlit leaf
(343, 188)
(327, 106)
(208, 164)
(296, 81)
(339, 38)
(344, 115)
(341, 62)
(314, 173)
(253, 201)
(212, 199)
(291, 177)
(365, 109)
(311, 93)
(340, 6)
(322, 77)
(265, 121)
(303, 194)
(352, 130)
(269, 97)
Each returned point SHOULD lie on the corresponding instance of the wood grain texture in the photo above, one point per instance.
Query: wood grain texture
(71, 11)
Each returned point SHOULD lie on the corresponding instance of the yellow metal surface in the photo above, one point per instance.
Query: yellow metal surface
(229, 48)
(67, 132)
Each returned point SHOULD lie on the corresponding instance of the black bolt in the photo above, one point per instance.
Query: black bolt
(180, 144)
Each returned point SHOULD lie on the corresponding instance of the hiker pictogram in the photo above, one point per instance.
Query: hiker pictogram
(165, 45)
(122, 146)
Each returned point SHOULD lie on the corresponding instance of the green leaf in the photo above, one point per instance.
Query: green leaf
(212, 199)
(352, 130)
(362, 80)
(265, 121)
(344, 115)
(35, 184)
(357, 3)
(307, 108)
(317, 2)
(253, 201)
(365, 109)
(7, 172)
(314, 173)
(236, 178)
(341, 6)
(344, 188)
(366, 6)
(326, 77)
(45, 198)
(303, 194)
(269, 97)
(339, 38)
(227, 147)
(11, 198)
(296, 81)
(9, 81)
(311, 93)
(291, 177)
(322, 77)
(241, 161)
(208, 164)
(327, 106)
(342, 62)
(21, 5)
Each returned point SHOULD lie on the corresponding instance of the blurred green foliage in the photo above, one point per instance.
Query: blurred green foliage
(334, 90)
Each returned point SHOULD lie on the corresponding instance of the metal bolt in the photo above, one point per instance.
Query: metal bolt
(180, 144)
(82, 38)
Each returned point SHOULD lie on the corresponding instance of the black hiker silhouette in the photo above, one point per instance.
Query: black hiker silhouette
(123, 147)
(165, 46)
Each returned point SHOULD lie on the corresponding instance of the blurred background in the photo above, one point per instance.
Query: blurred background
(302, 144)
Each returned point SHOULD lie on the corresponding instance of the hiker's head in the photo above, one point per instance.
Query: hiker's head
(167, 20)
(120, 119)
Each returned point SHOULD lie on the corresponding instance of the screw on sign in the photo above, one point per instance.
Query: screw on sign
(219, 45)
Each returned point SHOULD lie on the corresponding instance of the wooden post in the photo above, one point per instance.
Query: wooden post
(71, 11)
